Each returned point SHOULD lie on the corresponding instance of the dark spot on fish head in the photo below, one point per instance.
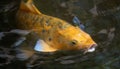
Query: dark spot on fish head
(43, 31)
(49, 39)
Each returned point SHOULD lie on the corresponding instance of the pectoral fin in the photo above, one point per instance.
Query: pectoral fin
(43, 47)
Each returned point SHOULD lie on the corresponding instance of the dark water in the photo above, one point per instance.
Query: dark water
(101, 19)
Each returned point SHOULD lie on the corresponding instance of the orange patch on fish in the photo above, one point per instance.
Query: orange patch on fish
(56, 33)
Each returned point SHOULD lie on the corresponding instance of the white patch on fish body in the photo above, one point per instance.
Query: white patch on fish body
(38, 46)
(42, 46)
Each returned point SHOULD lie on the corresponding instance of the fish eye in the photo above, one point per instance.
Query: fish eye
(74, 42)
(49, 39)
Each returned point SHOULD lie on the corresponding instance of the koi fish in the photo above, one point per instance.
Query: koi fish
(54, 33)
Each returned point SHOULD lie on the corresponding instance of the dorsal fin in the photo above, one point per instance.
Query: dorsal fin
(29, 7)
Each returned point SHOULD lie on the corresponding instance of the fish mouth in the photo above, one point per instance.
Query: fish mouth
(91, 48)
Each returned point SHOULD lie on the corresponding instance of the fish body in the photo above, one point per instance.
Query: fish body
(57, 33)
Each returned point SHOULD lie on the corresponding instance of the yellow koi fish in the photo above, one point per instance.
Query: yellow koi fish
(55, 34)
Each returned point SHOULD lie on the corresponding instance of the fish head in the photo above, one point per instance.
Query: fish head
(73, 38)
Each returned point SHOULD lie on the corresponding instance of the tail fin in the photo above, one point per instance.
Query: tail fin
(29, 7)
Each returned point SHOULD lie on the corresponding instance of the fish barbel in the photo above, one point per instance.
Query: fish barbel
(56, 33)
